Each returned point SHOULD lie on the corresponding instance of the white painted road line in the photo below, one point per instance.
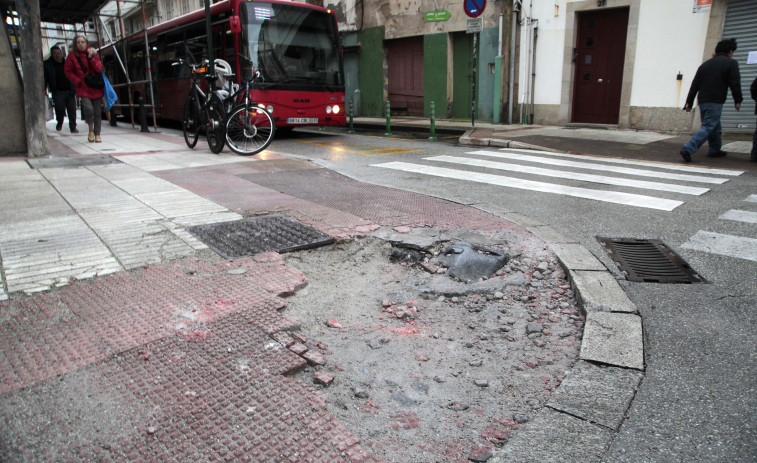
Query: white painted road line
(605, 180)
(726, 245)
(657, 165)
(751, 198)
(510, 182)
(740, 216)
(603, 168)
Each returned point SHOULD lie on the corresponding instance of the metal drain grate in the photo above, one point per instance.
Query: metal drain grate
(649, 261)
(259, 234)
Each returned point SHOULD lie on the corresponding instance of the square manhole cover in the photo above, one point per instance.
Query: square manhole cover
(259, 234)
(649, 261)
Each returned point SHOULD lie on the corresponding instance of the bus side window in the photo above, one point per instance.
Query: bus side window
(166, 70)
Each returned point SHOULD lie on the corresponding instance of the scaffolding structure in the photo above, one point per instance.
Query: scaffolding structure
(56, 33)
(148, 83)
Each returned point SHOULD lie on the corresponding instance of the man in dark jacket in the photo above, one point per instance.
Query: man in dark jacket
(712, 81)
(64, 93)
(753, 92)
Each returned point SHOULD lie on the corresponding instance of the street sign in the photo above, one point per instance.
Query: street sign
(474, 25)
(474, 8)
(438, 15)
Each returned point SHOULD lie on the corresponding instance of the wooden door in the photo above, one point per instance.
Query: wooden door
(600, 54)
(405, 59)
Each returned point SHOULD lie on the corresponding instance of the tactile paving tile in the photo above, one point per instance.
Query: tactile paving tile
(48, 334)
(259, 234)
(218, 398)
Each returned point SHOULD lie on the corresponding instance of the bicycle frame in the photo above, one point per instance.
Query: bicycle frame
(206, 112)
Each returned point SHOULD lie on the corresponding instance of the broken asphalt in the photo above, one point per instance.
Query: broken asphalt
(103, 315)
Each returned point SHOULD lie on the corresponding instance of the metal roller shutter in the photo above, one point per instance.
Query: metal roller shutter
(741, 24)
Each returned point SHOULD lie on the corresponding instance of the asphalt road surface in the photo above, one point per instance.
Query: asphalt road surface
(697, 400)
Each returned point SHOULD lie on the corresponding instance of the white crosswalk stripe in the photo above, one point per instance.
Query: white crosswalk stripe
(740, 216)
(643, 176)
(512, 182)
(602, 167)
(728, 245)
(574, 175)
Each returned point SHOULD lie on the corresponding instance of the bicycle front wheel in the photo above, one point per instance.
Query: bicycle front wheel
(249, 130)
(215, 128)
(190, 122)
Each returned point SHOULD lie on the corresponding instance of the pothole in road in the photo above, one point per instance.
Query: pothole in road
(426, 367)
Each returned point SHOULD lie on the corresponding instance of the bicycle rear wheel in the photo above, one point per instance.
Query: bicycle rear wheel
(190, 121)
(215, 127)
(249, 130)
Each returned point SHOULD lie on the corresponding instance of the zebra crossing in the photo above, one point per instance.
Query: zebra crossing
(741, 247)
(646, 180)
(651, 185)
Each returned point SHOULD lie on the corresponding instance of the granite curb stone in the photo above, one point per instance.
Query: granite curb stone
(498, 141)
(574, 256)
(588, 408)
(597, 393)
(556, 437)
(600, 292)
(613, 339)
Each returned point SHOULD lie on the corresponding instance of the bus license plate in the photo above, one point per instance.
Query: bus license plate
(302, 120)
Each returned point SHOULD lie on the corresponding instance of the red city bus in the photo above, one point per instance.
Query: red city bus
(294, 46)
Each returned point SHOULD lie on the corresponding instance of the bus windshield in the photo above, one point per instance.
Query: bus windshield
(291, 46)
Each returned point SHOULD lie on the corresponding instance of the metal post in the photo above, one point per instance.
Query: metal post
(473, 97)
(352, 128)
(433, 122)
(388, 120)
(149, 70)
(209, 32)
(142, 114)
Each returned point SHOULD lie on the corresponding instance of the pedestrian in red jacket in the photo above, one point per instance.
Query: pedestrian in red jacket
(91, 98)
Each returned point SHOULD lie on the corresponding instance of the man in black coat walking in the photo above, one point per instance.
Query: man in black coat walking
(64, 93)
(712, 81)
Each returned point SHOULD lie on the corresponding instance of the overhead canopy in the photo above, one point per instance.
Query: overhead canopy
(68, 11)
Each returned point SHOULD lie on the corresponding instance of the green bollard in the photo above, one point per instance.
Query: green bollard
(433, 122)
(352, 128)
(388, 120)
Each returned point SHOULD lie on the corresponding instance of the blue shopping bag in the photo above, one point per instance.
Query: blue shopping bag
(110, 94)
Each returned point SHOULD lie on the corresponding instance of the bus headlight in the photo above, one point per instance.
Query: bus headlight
(268, 108)
(333, 109)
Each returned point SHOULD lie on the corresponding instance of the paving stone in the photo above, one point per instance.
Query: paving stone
(600, 291)
(314, 358)
(576, 257)
(323, 377)
(600, 394)
(613, 339)
(550, 235)
(554, 437)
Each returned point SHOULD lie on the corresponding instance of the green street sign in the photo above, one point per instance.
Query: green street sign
(438, 15)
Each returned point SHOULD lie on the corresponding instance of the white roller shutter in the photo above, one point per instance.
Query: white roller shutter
(741, 24)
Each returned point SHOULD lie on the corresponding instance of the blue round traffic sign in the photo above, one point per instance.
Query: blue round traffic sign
(474, 8)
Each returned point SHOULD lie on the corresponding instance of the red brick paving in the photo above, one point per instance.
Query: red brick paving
(186, 361)
(119, 312)
(186, 351)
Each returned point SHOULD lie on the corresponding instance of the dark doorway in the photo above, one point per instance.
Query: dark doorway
(405, 59)
(599, 58)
